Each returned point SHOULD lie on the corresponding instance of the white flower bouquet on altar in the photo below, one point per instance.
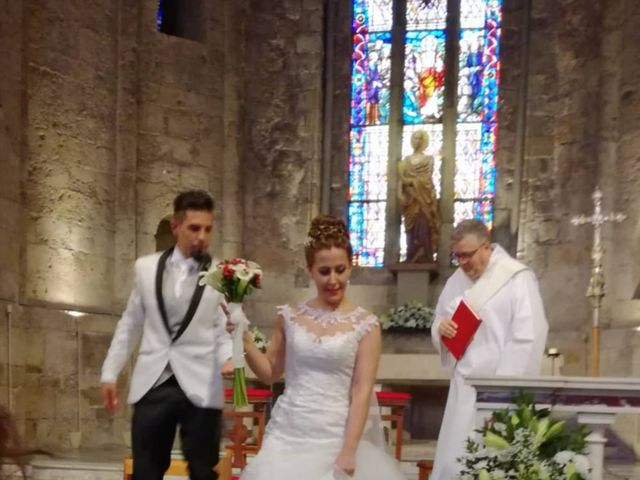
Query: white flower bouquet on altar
(525, 444)
(235, 279)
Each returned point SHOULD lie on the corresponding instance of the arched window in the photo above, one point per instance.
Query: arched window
(164, 237)
(421, 64)
(182, 18)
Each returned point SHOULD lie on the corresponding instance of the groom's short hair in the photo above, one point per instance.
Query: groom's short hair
(193, 200)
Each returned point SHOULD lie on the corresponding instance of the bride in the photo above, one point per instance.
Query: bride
(326, 424)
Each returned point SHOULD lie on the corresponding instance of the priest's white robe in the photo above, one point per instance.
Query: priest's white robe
(510, 341)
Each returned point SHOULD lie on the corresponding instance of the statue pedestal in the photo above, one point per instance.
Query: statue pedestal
(413, 281)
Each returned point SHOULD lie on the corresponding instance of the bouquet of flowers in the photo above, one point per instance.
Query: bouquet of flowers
(235, 279)
(525, 444)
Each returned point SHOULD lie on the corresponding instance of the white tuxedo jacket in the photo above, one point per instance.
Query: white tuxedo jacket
(195, 353)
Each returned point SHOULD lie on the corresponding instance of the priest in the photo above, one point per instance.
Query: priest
(510, 340)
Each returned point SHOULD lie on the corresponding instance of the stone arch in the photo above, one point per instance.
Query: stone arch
(164, 236)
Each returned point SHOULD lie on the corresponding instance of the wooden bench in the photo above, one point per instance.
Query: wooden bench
(397, 401)
(425, 467)
(179, 468)
(238, 433)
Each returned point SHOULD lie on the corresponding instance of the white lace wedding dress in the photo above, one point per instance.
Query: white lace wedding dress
(307, 426)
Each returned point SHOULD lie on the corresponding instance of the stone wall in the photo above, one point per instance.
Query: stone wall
(102, 120)
(560, 163)
(11, 114)
(582, 131)
(282, 151)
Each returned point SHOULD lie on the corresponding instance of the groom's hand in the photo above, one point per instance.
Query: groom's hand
(110, 397)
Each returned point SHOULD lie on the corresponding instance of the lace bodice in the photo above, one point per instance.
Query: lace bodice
(321, 349)
(306, 431)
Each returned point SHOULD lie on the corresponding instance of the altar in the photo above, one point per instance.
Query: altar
(594, 401)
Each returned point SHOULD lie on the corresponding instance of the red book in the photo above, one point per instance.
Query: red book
(468, 322)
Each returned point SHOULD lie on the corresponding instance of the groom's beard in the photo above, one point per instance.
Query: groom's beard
(197, 251)
(200, 257)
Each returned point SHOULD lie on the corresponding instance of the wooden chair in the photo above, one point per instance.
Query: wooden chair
(425, 467)
(179, 468)
(238, 433)
(397, 402)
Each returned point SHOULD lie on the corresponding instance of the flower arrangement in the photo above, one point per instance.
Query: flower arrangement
(525, 444)
(235, 279)
(410, 315)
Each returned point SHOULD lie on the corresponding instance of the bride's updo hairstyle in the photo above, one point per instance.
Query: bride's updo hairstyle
(325, 232)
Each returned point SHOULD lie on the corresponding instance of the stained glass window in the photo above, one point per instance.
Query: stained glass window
(369, 138)
(421, 16)
(424, 76)
(478, 82)
(368, 193)
(160, 15)
(371, 77)
(423, 108)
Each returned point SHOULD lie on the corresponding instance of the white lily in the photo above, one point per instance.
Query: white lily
(244, 274)
(253, 266)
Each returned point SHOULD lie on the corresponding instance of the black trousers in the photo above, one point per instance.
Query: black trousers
(153, 430)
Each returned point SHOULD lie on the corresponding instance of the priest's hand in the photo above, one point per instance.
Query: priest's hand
(448, 328)
(109, 393)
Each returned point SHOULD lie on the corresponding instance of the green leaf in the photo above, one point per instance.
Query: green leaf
(554, 430)
(543, 426)
(533, 425)
(483, 475)
(526, 415)
(495, 441)
(514, 420)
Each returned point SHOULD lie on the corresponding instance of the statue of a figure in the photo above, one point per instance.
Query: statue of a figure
(418, 201)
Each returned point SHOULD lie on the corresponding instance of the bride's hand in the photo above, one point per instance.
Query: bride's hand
(346, 462)
(230, 326)
(246, 336)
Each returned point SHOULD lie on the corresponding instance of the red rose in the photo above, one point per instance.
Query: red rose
(255, 281)
(227, 272)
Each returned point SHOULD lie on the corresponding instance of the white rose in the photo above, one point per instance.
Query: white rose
(582, 465)
(564, 457)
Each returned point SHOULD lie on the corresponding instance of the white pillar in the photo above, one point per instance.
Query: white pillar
(597, 423)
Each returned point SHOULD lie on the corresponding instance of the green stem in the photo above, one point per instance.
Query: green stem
(239, 388)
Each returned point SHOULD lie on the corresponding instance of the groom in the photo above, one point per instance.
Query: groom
(185, 347)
